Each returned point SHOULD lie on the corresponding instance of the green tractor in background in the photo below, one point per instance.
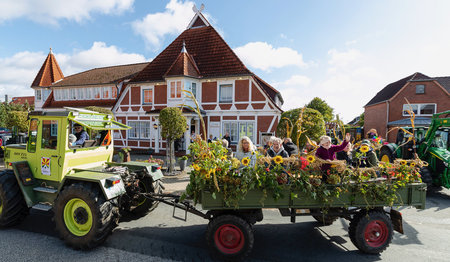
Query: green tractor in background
(432, 146)
(85, 189)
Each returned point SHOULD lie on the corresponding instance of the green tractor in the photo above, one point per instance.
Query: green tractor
(85, 189)
(432, 146)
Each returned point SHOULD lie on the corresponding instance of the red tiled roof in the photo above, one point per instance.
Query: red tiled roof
(102, 75)
(49, 72)
(270, 91)
(210, 52)
(22, 100)
(184, 65)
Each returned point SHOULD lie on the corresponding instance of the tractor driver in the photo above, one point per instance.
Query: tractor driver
(81, 135)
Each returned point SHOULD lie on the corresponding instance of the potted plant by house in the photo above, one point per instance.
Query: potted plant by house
(183, 162)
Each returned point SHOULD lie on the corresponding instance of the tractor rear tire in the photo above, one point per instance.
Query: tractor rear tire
(229, 237)
(83, 217)
(371, 232)
(13, 208)
(145, 206)
(386, 155)
(426, 175)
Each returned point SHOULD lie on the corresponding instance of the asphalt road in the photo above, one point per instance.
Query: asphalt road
(159, 237)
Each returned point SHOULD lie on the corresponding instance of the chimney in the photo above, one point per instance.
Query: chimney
(6, 98)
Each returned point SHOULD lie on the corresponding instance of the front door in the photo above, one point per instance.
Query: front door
(47, 152)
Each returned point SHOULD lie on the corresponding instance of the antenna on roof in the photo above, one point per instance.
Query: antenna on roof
(51, 52)
(194, 8)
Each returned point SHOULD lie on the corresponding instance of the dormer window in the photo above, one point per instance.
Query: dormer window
(420, 89)
(175, 89)
(38, 95)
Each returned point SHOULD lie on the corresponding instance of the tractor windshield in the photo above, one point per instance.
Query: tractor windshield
(441, 138)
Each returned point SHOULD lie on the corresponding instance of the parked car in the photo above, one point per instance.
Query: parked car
(4, 137)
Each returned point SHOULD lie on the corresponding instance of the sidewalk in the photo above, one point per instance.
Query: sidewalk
(175, 182)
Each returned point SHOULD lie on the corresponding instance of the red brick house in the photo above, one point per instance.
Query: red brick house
(388, 108)
(22, 100)
(232, 98)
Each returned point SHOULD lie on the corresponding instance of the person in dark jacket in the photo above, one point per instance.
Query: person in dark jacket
(227, 137)
(80, 134)
(277, 149)
(345, 154)
(290, 147)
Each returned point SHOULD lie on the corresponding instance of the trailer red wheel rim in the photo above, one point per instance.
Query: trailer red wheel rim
(229, 239)
(376, 233)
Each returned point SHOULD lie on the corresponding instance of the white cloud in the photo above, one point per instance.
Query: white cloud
(154, 27)
(50, 11)
(264, 56)
(295, 80)
(343, 58)
(18, 71)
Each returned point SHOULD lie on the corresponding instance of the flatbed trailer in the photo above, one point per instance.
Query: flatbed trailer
(230, 235)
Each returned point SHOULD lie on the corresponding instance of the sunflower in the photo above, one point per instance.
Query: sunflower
(196, 167)
(310, 158)
(245, 161)
(208, 175)
(412, 164)
(204, 155)
(364, 149)
(223, 158)
(403, 162)
(278, 160)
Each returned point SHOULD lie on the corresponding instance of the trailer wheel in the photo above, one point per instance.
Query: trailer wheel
(324, 219)
(145, 205)
(230, 237)
(83, 217)
(13, 208)
(371, 233)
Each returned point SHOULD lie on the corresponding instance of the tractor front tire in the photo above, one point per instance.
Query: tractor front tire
(83, 217)
(229, 237)
(386, 155)
(371, 232)
(145, 205)
(13, 208)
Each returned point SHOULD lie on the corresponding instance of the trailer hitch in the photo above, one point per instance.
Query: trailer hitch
(174, 200)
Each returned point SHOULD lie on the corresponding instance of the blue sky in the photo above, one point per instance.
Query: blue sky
(341, 51)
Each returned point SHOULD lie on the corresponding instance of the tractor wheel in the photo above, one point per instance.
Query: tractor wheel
(229, 237)
(426, 175)
(324, 219)
(83, 217)
(145, 205)
(13, 208)
(371, 232)
(386, 155)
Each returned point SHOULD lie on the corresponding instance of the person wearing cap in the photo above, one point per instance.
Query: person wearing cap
(370, 159)
(80, 134)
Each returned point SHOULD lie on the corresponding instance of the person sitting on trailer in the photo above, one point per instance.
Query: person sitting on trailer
(80, 134)
(327, 151)
(246, 149)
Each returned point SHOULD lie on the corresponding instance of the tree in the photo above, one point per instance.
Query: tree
(17, 119)
(361, 119)
(173, 125)
(321, 106)
(313, 124)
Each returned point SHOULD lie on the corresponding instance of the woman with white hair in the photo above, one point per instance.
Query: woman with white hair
(245, 149)
(277, 148)
(327, 151)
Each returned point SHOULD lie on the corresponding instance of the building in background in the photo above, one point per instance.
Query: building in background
(418, 93)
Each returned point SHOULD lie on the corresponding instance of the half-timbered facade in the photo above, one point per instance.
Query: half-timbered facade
(232, 99)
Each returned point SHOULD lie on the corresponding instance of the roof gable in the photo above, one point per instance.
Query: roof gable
(49, 72)
(212, 55)
(184, 65)
(390, 90)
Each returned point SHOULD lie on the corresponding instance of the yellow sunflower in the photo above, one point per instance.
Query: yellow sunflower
(246, 161)
(196, 167)
(223, 158)
(412, 164)
(403, 162)
(310, 158)
(208, 175)
(204, 155)
(278, 160)
(364, 149)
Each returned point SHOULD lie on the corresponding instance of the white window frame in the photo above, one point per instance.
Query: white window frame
(116, 92)
(108, 90)
(38, 94)
(139, 129)
(192, 89)
(221, 99)
(143, 96)
(72, 94)
(419, 108)
(88, 93)
(239, 124)
(169, 89)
